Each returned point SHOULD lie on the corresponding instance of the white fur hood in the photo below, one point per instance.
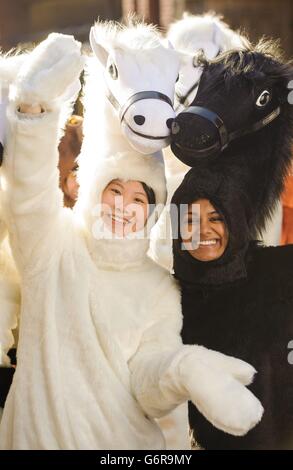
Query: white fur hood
(114, 252)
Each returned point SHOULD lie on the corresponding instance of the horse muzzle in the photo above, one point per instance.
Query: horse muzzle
(197, 133)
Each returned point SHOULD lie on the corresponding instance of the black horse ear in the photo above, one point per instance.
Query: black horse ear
(1, 153)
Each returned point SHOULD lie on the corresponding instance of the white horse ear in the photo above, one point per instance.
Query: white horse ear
(100, 52)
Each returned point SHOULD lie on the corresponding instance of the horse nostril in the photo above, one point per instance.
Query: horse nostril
(139, 120)
(175, 128)
(169, 122)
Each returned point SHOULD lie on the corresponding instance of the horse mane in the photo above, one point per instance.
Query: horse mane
(254, 61)
(185, 32)
(135, 34)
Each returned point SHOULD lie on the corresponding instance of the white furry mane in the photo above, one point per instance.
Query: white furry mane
(133, 35)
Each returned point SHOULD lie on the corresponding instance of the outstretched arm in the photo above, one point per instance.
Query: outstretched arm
(31, 199)
(166, 373)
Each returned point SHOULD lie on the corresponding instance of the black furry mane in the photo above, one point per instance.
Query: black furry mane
(253, 62)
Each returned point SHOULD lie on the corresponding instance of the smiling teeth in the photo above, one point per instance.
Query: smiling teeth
(208, 242)
(120, 220)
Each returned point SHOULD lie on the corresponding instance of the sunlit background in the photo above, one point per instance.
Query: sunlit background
(25, 21)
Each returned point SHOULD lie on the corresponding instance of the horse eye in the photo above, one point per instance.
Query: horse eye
(177, 78)
(263, 99)
(113, 72)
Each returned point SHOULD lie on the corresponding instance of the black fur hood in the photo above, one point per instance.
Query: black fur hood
(240, 305)
(231, 202)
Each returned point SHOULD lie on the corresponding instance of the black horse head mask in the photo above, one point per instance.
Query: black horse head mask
(242, 116)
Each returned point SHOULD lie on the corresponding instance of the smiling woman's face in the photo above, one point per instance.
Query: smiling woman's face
(124, 206)
(213, 233)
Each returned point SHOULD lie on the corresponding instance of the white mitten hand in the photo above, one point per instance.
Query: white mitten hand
(223, 400)
(51, 70)
(240, 370)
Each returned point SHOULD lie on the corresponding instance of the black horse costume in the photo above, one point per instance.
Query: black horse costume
(237, 135)
(240, 304)
(241, 118)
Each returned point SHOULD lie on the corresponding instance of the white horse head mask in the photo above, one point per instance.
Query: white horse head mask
(139, 77)
(191, 35)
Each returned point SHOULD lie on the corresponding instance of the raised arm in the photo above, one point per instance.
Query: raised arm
(38, 105)
(165, 373)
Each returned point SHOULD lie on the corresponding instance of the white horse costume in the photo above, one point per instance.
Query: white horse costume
(99, 352)
(132, 61)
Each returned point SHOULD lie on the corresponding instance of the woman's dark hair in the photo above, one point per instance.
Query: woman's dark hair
(150, 195)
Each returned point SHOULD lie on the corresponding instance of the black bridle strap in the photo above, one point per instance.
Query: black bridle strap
(141, 95)
(113, 100)
(182, 99)
(225, 137)
(255, 127)
(207, 150)
(214, 119)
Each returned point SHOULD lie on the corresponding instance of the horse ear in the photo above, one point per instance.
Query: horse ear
(226, 38)
(100, 52)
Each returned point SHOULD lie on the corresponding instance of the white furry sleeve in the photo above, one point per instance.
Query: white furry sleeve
(31, 198)
(165, 373)
(49, 77)
(154, 374)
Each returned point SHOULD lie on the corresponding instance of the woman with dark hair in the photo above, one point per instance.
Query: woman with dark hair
(237, 298)
(69, 149)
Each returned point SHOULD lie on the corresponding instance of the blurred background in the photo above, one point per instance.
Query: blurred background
(25, 21)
